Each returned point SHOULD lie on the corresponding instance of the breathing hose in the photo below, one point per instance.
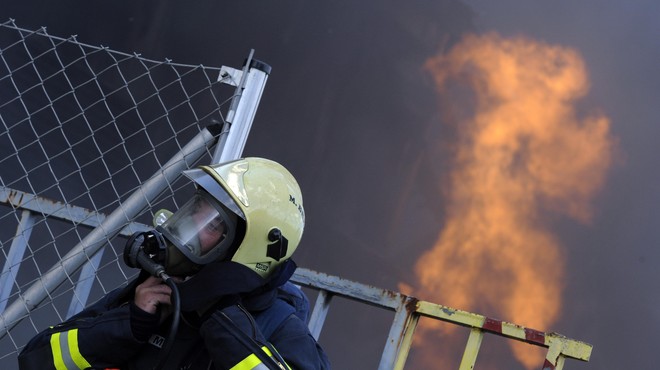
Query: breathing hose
(135, 256)
(174, 326)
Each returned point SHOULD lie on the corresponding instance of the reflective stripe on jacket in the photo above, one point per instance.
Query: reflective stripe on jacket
(252, 362)
(66, 353)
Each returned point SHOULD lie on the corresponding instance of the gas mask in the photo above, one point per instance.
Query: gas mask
(200, 232)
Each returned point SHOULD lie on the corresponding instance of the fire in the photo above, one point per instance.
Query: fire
(521, 150)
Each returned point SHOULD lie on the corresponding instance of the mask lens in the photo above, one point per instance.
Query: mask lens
(211, 229)
(199, 227)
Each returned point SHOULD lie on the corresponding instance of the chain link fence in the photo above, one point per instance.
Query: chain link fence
(81, 128)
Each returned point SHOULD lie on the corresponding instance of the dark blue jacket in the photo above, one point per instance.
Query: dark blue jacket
(247, 314)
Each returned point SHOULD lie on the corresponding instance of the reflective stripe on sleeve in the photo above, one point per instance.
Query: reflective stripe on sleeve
(252, 362)
(66, 354)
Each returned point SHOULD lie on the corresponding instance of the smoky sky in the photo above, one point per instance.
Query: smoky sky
(612, 263)
(350, 110)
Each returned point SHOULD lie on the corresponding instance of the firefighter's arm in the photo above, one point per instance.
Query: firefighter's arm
(107, 334)
(102, 341)
(297, 346)
(234, 341)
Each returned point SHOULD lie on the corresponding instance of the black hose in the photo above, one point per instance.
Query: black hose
(174, 326)
(135, 256)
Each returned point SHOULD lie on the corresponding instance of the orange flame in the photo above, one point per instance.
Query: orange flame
(521, 150)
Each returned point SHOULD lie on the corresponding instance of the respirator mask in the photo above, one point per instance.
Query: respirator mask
(200, 232)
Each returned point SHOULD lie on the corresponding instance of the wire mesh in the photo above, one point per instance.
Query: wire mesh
(84, 126)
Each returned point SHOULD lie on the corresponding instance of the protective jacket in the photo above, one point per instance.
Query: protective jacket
(247, 320)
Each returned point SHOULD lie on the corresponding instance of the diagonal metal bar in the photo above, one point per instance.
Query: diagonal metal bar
(85, 283)
(95, 240)
(16, 253)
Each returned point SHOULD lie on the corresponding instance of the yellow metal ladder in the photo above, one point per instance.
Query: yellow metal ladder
(408, 310)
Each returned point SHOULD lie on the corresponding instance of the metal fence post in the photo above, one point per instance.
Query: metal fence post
(250, 84)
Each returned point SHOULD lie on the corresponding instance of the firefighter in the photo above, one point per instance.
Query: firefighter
(228, 249)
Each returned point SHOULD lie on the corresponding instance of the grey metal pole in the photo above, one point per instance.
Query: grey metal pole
(250, 84)
(96, 239)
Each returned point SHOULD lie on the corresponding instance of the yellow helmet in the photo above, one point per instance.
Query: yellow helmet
(267, 198)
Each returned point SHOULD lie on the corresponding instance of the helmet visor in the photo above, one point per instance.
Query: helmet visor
(202, 229)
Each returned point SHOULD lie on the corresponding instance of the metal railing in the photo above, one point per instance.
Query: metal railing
(408, 311)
